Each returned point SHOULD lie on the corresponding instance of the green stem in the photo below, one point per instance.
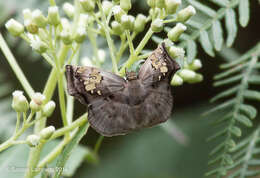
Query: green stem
(108, 37)
(52, 2)
(133, 57)
(77, 123)
(130, 42)
(14, 65)
(17, 122)
(39, 125)
(98, 144)
(57, 150)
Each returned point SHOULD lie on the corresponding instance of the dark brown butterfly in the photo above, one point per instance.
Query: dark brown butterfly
(117, 106)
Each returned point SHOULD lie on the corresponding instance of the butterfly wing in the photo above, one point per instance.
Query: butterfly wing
(90, 83)
(158, 66)
(103, 93)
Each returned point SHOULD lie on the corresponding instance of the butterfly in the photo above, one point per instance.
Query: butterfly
(117, 106)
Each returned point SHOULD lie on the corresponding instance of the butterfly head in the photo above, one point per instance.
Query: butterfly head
(131, 75)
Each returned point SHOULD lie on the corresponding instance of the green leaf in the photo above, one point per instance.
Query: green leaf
(205, 43)
(244, 13)
(254, 79)
(249, 110)
(230, 71)
(228, 80)
(225, 93)
(217, 35)
(201, 7)
(217, 148)
(231, 26)
(222, 106)
(191, 50)
(236, 131)
(253, 95)
(157, 39)
(218, 134)
(244, 120)
(67, 151)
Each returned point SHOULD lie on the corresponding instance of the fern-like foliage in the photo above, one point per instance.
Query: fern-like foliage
(245, 156)
(241, 73)
(206, 26)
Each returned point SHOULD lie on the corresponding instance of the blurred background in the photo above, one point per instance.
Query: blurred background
(154, 152)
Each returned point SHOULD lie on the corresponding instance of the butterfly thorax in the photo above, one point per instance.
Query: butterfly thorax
(131, 76)
(135, 92)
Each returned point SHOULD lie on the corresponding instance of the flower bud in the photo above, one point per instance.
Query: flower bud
(48, 108)
(68, 9)
(47, 132)
(101, 30)
(118, 13)
(31, 27)
(65, 36)
(39, 19)
(176, 32)
(38, 45)
(157, 25)
(65, 24)
(187, 75)
(125, 5)
(176, 80)
(172, 5)
(53, 16)
(85, 61)
(154, 12)
(38, 98)
(198, 78)
(160, 3)
(140, 23)
(195, 65)
(127, 22)
(42, 34)
(176, 52)
(117, 28)
(80, 34)
(83, 20)
(107, 6)
(14, 27)
(27, 14)
(33, 140)
(101, 55)
(186, 13)
(34, 106)
(151, 3)
(19, 103)
(87, 5)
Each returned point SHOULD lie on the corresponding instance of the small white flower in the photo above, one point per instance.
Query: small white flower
(116, 9)
(85, 61)
(48, 108)
(47, 132)
(176, 52)
(69, 9)
(101, 55)
(14, 27)
(27, 14)
(176, 80)
(38, 98)
(33, 140)
(38, 45)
